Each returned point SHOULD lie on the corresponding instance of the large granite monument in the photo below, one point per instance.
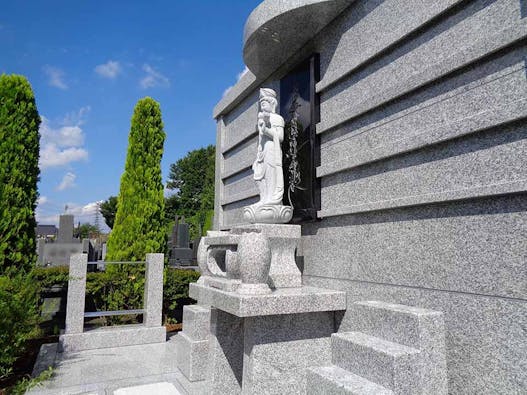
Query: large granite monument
(410, 115)
(258, 330)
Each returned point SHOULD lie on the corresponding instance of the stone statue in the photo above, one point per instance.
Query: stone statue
(267, 167)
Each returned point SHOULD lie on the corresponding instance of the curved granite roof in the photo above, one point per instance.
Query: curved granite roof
(276, 29)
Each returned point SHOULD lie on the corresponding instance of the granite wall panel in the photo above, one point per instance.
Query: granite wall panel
(493, 93)
(239, 186)
(495, 156)
(232, 212)
(474, 246)
(485, 335)
(240, 157)
(356, 38)
(423, 138)
(479, 28)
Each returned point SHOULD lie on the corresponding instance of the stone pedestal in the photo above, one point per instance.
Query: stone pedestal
(263, 344)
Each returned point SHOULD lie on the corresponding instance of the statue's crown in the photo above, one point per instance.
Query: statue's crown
(266, 93)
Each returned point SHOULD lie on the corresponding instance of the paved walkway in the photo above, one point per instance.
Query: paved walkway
(128, 370)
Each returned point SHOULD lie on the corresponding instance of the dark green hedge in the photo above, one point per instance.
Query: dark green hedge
(123, 289)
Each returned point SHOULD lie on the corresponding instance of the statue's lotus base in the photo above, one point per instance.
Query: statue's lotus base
(268, 213)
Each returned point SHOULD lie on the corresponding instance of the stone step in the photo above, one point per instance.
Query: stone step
(191, 356)
(397, 323)
(196, 322)
(392, 365)
(332, 380)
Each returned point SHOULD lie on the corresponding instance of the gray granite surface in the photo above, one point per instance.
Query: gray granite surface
(472, 247)
(226, 354)
(332, 380)
(454, 43)
(283, 241)
(485, 348)
(240, 157)
(356, 38)
(192, 356)
(447, 167)
(278, 350)
(103, 371)
(196, 322)
(280, 301)
(76, 293)
(153, 299)
(391, 365)
(271, 36)
(112, 336)
(491, 94)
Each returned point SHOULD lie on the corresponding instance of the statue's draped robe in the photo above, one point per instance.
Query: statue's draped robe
(267, 167)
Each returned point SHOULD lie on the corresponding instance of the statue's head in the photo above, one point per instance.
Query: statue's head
(268, 100)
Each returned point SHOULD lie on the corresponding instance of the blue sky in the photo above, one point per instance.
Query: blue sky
(90, 61)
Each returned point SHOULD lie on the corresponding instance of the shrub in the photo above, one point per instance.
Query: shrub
(121, 290)
(19, 317)
(138, 228)
(175, 289)
(19, 152)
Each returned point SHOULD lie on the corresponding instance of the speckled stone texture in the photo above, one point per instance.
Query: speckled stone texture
(283, 241)
(484, 335)
(278, 349)
(196, 322)
(332, 380)
(153, 299)
(101, 372)
(281, 301)
(192, 344)
(226, 354)
(191, 356)
(108, 337)
(412, 327)
(255, 258)
(76, 293)
(270, 37)
(389, 364)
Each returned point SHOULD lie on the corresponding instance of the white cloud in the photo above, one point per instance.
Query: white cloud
(238, 78)
(62, 145)
(55, 77)
(153, 78)
(49, 213)
(42, 200)
(68, 181)
(76, 117)
(109, 69)
(52, 156)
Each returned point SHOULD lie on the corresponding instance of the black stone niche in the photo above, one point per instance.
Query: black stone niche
(299, 106)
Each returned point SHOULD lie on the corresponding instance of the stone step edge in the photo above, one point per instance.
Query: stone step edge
(396, 308)
(339, 378)
(375, 343)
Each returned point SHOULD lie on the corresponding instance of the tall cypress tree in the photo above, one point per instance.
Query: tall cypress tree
(138, 228)
(19, 173)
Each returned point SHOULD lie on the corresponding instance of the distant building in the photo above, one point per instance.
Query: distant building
(46, 231)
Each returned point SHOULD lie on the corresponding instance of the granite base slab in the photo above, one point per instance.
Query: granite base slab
(107, 337)
(280, 301)
(103, 371)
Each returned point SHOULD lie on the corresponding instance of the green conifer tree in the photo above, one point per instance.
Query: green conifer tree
(139, 222)
(19, 173)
